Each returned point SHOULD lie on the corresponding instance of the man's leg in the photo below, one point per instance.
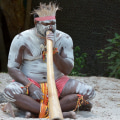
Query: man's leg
(68, 103)
(25, 102)
(68, 96)
(15, 94)
(28, 104)
(70, 91)
(77, 87)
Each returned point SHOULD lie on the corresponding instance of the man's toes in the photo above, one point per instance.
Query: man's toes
(87, 107)
(28, 114)
(70, 114)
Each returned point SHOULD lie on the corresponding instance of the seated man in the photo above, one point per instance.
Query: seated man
(27, 66)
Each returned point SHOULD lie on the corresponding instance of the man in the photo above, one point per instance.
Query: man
(27, 66)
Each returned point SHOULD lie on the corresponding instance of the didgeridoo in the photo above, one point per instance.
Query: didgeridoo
(55, 112)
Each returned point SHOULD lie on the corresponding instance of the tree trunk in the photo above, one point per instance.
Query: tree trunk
(27, 18)
(14, 13)
(3, 55)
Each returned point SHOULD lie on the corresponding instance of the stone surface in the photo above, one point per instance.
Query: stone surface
(106, 104)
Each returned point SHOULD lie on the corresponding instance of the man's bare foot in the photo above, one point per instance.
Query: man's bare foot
(87, 107)
(28, 115)
(70, 114)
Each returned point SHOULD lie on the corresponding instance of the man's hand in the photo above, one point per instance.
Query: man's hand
(50, 36)
(35, 92)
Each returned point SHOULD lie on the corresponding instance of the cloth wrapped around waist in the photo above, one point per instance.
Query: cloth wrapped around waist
(60, 83)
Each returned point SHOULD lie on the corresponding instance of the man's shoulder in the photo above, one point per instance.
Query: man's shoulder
(63, 36)
(27, 33)
(22, 37)
(61, 33)
(24, 34)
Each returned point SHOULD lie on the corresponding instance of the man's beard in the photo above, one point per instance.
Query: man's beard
(44, 34)
(41, 34)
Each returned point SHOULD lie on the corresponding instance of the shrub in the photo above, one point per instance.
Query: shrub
(111, 55)
(79, 62)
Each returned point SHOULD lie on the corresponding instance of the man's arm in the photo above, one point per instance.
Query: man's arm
(15, 60)
(63, 65)
(65, 59)
(18, 76)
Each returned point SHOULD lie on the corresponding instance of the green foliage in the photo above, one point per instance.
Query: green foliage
(111, 55)
(79, 62)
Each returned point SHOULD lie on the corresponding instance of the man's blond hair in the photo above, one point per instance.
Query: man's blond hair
(46, 10)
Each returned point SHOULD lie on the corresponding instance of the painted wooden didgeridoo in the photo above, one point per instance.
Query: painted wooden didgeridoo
(55, 112)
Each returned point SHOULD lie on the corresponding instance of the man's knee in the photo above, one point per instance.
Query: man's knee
(87, 91)
(91, 94)
(11, 90)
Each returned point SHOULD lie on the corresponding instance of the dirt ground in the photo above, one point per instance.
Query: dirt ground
(106, 104)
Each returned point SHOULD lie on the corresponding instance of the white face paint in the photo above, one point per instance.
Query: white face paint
(43, 26)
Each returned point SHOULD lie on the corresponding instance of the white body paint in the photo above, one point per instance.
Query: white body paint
(85, 89)
(33, 65)
(15, 88)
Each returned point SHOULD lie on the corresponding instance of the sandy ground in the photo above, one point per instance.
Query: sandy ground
(106, 104)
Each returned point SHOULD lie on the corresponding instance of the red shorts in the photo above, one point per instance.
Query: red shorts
(60, 83)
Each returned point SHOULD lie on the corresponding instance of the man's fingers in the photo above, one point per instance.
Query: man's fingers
(50, 36)
(38, 94)
(34, 96)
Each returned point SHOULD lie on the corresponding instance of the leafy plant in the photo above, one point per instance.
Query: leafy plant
(79, 62)
(111, 55)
